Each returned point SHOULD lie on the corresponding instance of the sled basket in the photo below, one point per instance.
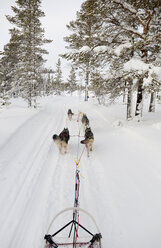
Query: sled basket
(75, 240)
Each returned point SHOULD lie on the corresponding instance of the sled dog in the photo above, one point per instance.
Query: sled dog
(85, 122)
(70, 114)
(88, 141)
(80, 115)
(61, 140)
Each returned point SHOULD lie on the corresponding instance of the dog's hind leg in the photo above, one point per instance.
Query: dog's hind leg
(88, 148)
(65, 146)
(60, 147)
(91, 145)
(70, 117)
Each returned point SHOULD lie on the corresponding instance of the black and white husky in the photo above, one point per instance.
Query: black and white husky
(61, 140)
(85, 122)
(88, 141)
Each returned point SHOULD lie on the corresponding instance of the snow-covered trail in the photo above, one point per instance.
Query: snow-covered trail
(28, 161)
(120, 182)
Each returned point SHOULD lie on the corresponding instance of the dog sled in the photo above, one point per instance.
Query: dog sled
(75, 232)
(77, 235)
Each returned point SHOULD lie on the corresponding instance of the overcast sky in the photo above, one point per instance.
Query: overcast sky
(58, 13)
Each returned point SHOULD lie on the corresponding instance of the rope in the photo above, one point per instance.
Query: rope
(78, 142)
(81, 155)
(76, 135)
(77, 183)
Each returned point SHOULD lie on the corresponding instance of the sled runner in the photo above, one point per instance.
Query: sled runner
(73, 240)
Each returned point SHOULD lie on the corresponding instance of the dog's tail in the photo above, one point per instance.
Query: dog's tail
(83, 141)
(55, 137)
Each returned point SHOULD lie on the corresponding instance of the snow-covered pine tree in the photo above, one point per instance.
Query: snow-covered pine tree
(9, 61)
(98, 86)
(154, 52)
(72, 81)
(30, 53)
(47, 86)
(131, 20)
(84, 38)
(58, 78)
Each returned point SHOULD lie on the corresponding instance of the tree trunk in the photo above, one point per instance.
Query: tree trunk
(152, 102)
(124, 93)
(129, 102)
(86, 83)
(139, 103)
(86, 92)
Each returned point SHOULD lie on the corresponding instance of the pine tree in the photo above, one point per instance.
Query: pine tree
(132, 27)
(9, 61)
(83, 39)
(58, 78)
(72, 86)
(30, 54)
(98, 86)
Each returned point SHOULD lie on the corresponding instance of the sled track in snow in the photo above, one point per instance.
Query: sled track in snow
(29, 174)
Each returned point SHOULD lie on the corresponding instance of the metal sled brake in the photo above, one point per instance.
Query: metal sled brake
(73, 240)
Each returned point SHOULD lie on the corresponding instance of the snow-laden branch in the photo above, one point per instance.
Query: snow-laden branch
(100, 49)
(132, 10)
(135, 64)
(119, 48)
(126, 6)
(85, 49)
(154, 72)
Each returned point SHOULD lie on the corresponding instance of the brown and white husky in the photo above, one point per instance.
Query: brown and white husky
(89, 140)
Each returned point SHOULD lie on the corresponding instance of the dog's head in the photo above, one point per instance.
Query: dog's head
(70, 112)
(66, 130)
(88, 133)
(88, 129)
(64, 135)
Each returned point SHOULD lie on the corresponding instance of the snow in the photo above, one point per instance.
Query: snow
(156, 70)
(100, 49)
(85, 49)
(120, 181)
(136, 64)
(119, 48)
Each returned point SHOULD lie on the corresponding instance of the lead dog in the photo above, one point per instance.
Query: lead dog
(88, 141)
(61, 140)
(70, 114)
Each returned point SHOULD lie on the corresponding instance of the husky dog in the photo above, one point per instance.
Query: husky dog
(80, 115)
(61, 140)
(88, 141)
(70, 114)
(85, 122)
